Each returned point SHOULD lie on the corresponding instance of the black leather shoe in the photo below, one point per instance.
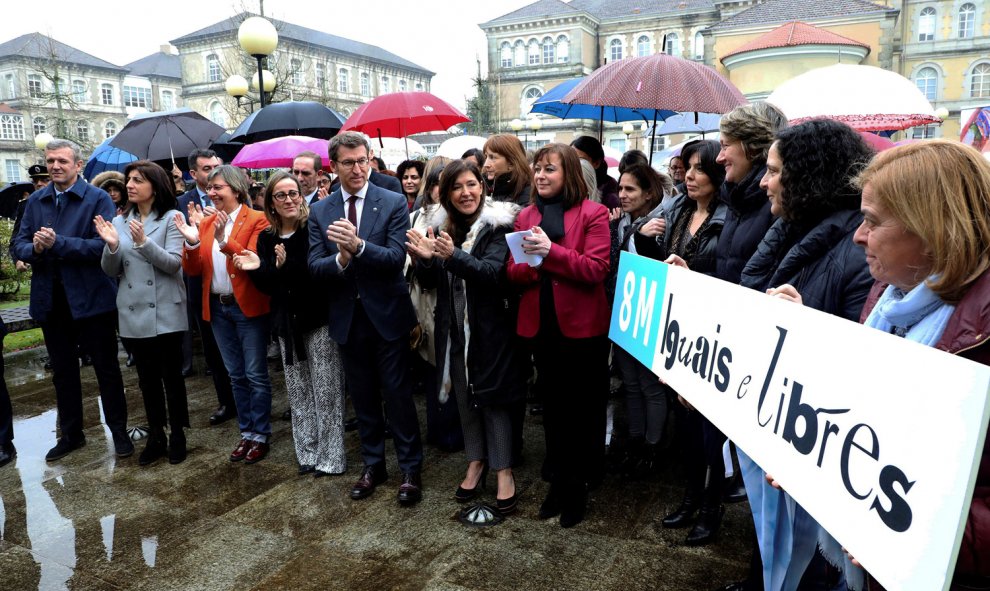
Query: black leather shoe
(187, 373)
(371, 476)
(122, 444)
(351, 424)
(63, 448)
(682, 516)
(573, 507)
(463, 495)
(177, 447)
(155, 448)
(7, 454)
(551, 505)
(411, 489)
(735, 490)
(705, 530)
(222, 414)
(305, 469)
(287, 415)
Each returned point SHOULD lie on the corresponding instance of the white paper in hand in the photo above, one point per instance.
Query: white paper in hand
(515, 241)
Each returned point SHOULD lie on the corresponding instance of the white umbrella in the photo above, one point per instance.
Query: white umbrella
(393, 150)
(867, 98)
(455, 147)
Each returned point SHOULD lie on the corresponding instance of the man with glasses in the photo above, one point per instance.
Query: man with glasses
(357, 241)
(307, 167)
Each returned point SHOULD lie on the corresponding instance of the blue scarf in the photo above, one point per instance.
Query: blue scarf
(918, 315)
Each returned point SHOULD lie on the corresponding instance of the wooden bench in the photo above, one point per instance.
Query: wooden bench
(18, 319)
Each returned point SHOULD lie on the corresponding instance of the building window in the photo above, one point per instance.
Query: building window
(402, 85)
(967, 21)
(530, 96)
(34, 86)
(13, 170)
(11, 127)
(549, 51)
(563, 50)
(79, 91)
(386, 85)
(296, 68)
(660, 143)
(419, 87)
(365, 84)
(212, 68)
(136, 96)
(979, 86)
(615, 50)
(923, 133)
(217, 115)
(519, 54)
(82, 131)
(38, 125)
(699, 46)
(926, 24)
(11, 89)
(343, 80)
(927, 81)
(106, 94)
(505, 55)
(672, 45)
(168, 100)
(534, 53)
(109, 130)
(643, 46)
(321, 75)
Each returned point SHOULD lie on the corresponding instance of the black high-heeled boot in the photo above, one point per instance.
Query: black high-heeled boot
(156, 447)
(707, 526)
(176, 446)
(682, 516)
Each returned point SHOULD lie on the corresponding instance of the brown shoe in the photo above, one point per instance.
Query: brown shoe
(241, 450)
(256, 452)
(371, 477)
(411, 489)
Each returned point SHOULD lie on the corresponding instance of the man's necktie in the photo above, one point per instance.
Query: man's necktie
(352, 210)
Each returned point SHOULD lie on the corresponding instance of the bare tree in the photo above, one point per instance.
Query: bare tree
(57, 93)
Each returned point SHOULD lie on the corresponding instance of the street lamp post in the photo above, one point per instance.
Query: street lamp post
(259, 38)
(535, 125)
(516, 125)
(628, 129)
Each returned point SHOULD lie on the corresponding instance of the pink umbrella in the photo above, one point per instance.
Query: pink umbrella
(877, 142)
(278, 152)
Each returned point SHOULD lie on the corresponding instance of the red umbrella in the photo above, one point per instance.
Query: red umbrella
(401, 114)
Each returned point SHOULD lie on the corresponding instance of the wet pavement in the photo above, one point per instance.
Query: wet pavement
(94, 522)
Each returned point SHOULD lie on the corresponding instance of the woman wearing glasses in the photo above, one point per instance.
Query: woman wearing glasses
(313, 369)
(236, 310)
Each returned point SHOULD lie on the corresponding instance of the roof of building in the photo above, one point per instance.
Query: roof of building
(164, 65)
(38, 46)
(793, 34)
(304, 35)
(601, 9)
(781, 11)
(5, 108)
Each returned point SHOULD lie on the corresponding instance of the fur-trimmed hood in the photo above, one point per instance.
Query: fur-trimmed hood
(496, 214)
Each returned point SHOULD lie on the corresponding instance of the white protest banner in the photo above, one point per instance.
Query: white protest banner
(877, 437)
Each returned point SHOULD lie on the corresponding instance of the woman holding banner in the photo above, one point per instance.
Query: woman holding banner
(926, 232)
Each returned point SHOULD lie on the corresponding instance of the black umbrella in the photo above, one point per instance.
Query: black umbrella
(225, 148)
(306, 118)
(168, 135)
(11, 195)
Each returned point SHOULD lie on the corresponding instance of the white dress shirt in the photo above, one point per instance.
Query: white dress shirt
(220, 282)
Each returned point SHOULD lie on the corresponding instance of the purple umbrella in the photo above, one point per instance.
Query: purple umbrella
(278, 152)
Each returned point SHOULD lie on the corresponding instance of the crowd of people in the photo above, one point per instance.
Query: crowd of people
(377, 286)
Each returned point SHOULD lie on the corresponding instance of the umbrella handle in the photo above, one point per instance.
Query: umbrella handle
(381, 144)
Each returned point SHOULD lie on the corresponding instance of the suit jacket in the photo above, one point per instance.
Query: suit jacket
(151, 294)
(386, 182)
(376, 276)
(244, 235)
(74, 259)
(190, 196)
(577, 267)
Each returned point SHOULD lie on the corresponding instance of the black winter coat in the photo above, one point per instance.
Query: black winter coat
(494, 365)
(823, 264)
(503, 189)
(703, 260)
(746, 223)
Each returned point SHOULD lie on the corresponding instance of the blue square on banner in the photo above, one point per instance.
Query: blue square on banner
(637, 312)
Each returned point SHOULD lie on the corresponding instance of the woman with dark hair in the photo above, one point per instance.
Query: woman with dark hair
(236, 310)
(564, 313)
(630, 158)
(507, 170)
(463, 257)
(314, 378)
(144, 252)
(474, 156)
(410, 175)
(589, 149)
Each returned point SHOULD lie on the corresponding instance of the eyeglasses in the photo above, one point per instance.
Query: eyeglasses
(216, 187)
(282, 196)
(349, 164)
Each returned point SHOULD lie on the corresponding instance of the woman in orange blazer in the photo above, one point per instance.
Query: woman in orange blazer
(236, 310)
(564, 312)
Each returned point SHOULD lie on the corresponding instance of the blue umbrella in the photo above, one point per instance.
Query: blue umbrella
(106, 157)
(688, 123)
(550, 104)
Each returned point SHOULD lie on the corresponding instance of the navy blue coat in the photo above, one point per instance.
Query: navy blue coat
(75, 256)
(746, 223)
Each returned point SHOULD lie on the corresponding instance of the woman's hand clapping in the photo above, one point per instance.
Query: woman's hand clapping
(419, 246)
(107, 232)
(189, 231)
(249, 261)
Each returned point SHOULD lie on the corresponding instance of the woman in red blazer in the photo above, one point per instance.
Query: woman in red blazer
(236, 310)
(565, 314)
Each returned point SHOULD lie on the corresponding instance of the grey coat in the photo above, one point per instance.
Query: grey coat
(151, 297)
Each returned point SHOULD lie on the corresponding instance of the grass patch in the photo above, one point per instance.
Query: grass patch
(27, 339)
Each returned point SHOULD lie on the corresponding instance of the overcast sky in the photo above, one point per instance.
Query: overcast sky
(440, 35)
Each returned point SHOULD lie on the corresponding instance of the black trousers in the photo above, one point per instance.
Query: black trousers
(376, 371)
(575, 401)
(221, 379)
(6, 410)
(97, 336)
(159, 368)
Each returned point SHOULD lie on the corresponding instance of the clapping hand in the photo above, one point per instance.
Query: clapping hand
(419, 246)
(107, 232)
(43, 239)
(344, 234)
(189, 231)
(196, 214)
(279, 255)
(443, 246)
(249, 261)
(219, 225)
(137, 232)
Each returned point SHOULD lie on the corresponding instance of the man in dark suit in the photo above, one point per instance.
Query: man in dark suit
(357, 241)
(201, 163)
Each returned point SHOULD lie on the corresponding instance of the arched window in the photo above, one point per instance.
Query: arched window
(505, 55)
(699, 46)
(217, 115)
(365, 84)
(212, 68)
(519, 54)
(926, 24)
(39, 125)
(343, 80)
(927, 81)
(79, 91)
(615, 50)
(979, 86)
(109, 130)
(673, 45)
(967, 21)
(82, 131)
(295, 67)
(168, 100)
(643, 46)
(530, 96)
(563, 50)
(549, 51)
(534, 53)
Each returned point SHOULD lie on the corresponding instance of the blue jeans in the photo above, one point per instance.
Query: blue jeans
(243, 344)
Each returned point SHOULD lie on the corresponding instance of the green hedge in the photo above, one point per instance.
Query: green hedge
(10, 279)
